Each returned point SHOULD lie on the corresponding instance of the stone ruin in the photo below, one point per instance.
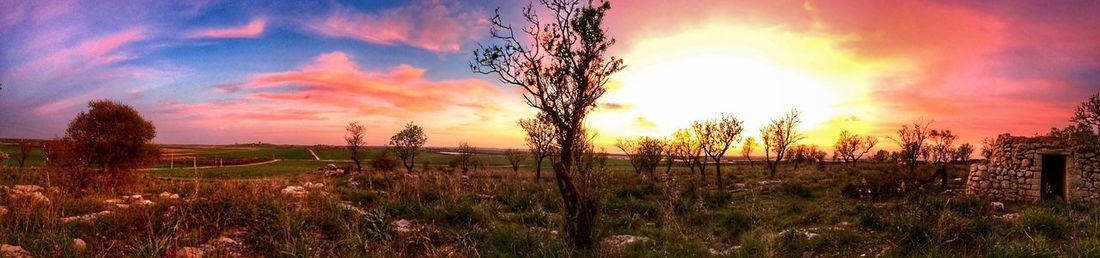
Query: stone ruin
(1037, 168)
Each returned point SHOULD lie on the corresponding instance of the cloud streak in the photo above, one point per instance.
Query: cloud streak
(429, 25)
(251, 30)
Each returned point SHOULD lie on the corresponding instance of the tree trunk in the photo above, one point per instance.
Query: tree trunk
(750, 161)
(718, 171)
(580, 212)
(668, 168)
(538, 169)
(702, 168)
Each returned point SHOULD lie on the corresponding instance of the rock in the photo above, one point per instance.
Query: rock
(85, 217)
(79, 245)
(402, 226)
(295, 191)
(167, 195)
(35, 197)
(311, 185)
(145, 203)
(14, 251)
(624, 240)
(27, 188)
(997, 206)
(3, 210)
(189, 252)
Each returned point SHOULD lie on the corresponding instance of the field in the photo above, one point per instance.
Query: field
(834, 211)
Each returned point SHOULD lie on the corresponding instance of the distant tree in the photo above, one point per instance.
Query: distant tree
(563, 67)
(912, 139)
(4, 157)
(406, 144)
(716, 137)
(987, 148)
(881, 156)
(778, 136)
(941, 151)
(852, 147)
(669, 153)
(818, 156)
(703, 138)
(355, 140)
(25, 149)
(644, 153)
(466, 158)
(686, 148)
(515, 157)
(963, 152)
(1088, 113)
(746, 149)
(110, 137)
(540, 140)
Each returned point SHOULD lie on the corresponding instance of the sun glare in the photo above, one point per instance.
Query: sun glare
(676, 79)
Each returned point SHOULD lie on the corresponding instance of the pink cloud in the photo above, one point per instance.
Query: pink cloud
(431, 25)
(251, 30)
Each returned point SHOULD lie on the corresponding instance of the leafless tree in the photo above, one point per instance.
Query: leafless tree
(687, 149)
(912, 141)
(515, 157)
(778, 136)
(406, 144)
(1088, 113)
(852, 147)
(540, 140)
(747, 148)
(563, 66)
(716, 137)
(355, 141)
(644, 153)
(942, 151)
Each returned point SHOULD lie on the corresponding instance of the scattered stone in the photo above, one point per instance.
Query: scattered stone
(624, 240)
(295, 191)
(3, 210)
(348, 206)
(145, 203)
(312, 185)
(27, 188)
(1007, 216)
(14, 251)
(167, 195)
(189, 252)
(997, 206)
(79, 245)
(402, 226)
(85, 217)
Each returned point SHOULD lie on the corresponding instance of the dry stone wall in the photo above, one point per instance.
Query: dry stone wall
(1014, 170)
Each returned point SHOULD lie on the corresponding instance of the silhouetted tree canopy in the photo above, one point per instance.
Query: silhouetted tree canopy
(110, 137)
(406, 144)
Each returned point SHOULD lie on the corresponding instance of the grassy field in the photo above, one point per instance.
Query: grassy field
(495, 212)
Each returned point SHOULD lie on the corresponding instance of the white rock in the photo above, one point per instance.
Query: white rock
(85, 217)
(295, 191)
(79, 245)
(3, 210)
(624, 240)
(402, 226)
(14, 251)
(998, 206)
(27, 188)
(167, 195)
(145, 203)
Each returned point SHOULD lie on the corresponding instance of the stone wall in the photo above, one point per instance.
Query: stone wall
(1014, 170)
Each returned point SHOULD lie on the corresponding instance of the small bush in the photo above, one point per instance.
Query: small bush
(796, 190)
(384, 162)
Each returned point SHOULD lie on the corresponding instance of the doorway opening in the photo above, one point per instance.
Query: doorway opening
(1053, 182)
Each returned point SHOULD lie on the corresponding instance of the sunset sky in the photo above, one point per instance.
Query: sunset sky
(295, 72)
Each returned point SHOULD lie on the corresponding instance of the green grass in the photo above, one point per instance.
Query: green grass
(35, 159)
(281, 168)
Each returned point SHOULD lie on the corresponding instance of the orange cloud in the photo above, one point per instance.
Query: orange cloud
(251, 30)
(430, 25)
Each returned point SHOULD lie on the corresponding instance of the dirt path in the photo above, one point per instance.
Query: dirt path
(314, 154)
(230, 166)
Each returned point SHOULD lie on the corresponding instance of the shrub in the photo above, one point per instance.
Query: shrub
(796, 190)
(383, 162)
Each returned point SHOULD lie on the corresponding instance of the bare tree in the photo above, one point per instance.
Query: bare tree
(644, 153)
(964, 152)
(355, 141)
(912, 141)
(779, 135)
(465, 158)
(747, 148)
(406, 144)
(515, 157)
(540, 140)
(686, 147)
(941, 151)
(563, 66)
(716, 137)
(1088, 113)
(24, 152)
(852, 147)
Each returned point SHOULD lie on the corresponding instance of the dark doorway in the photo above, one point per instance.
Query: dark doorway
(1054, 177)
